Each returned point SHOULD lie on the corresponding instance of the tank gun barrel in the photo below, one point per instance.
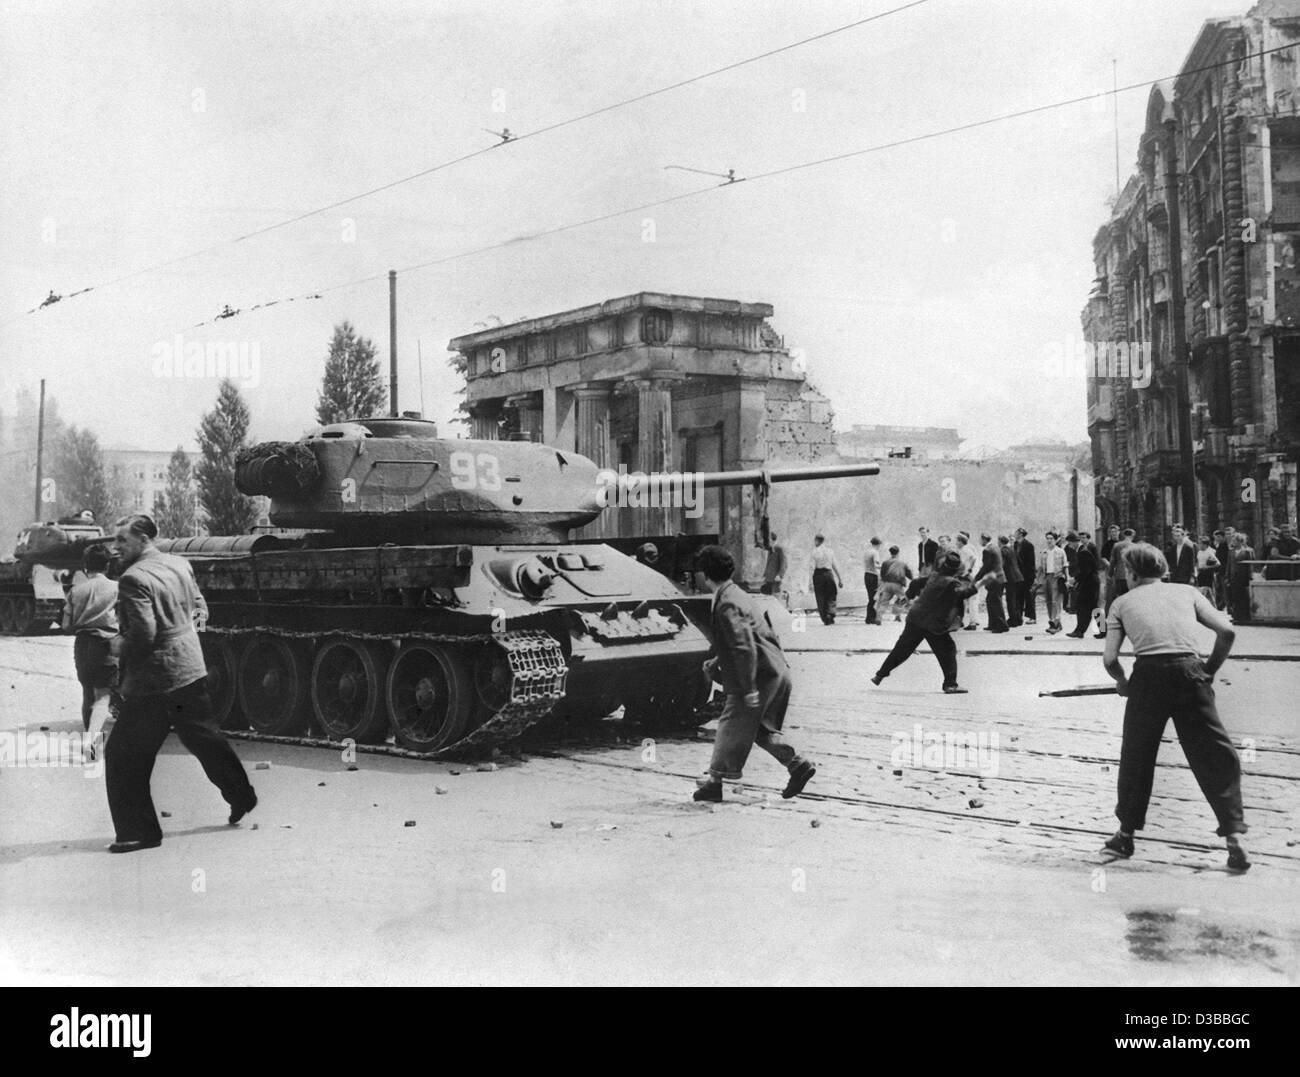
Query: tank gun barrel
(709, 479)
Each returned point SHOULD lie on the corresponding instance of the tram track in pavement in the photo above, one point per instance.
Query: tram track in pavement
(874, 805)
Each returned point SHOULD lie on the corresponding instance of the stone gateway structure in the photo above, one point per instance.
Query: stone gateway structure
(653, 383)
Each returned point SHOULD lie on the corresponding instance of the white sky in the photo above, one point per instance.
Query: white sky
(309, 103)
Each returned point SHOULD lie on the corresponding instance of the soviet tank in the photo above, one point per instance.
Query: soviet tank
(429, 589)
(32, 581)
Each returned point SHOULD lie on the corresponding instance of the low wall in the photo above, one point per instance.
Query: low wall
(946, 497)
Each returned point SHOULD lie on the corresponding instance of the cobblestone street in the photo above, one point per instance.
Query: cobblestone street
(581, 859)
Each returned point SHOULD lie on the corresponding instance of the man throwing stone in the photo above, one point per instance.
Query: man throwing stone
(164, 686)
(751, 667)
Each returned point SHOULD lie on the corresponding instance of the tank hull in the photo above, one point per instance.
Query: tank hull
(456, 646)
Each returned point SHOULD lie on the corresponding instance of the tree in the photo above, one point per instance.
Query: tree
(80, 481)
(223, 431)
(175, 509)
(351, 387)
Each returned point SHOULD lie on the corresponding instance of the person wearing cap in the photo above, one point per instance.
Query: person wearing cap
(1087, 587)
(1170, 680)
(933, 618)
(648, 554)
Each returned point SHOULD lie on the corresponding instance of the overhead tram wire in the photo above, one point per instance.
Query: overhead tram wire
(759, 176)
(513, 139)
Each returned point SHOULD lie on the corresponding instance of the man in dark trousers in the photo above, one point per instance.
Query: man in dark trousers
(1116, 580)
(774, 571)
(926, 551)
(826, 579)
(164, 686)
(1015, 583)
(1182, 558)
(933, 618)
(1239, 584)
(749, 664)
(871, 563)
(1027, 556)
(1087, 584)
(991, 569)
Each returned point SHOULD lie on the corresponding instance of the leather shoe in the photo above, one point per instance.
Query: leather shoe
(953, 690)
(1120, 846)
(798, 779)
(238, 811)
(709, 791)
(1237, 860)
(133, 846)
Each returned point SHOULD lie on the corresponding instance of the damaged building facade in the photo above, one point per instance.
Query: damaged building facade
(1199, 267)
(653, 383)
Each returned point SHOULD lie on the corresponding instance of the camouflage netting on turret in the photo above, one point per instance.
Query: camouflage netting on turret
(276, 469)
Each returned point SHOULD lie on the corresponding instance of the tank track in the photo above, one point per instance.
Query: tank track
(538, 673)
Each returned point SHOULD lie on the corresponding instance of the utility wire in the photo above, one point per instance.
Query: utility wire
(770, 174)
(511, 139)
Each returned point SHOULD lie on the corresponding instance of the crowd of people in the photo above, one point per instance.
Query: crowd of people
(1070, 572)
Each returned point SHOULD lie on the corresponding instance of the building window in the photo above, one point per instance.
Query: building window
(656, 327)
(137, 500)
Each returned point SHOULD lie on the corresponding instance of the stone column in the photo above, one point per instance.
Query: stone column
(654, 450)
(485, 420)
(529, 407)
(591, 399)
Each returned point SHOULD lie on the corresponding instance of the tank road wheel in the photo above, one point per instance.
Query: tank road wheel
(347, 690)
(24, 615)
(273, 685)
(492, 682)
(430, 696)
(8, 616)
(219, 657)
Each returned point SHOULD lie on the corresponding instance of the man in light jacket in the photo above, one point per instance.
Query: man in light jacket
(164, 686)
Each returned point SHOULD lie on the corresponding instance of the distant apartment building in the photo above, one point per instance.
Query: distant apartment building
(142, 473)
(1198, 278)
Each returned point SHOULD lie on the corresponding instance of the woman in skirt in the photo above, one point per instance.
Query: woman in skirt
(1170, 680)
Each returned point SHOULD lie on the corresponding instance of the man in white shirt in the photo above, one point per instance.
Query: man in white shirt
(826, 579)
(970, 615)
(871, 563)
(1055, 571)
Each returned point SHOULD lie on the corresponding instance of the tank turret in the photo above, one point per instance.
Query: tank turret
(394, 480)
